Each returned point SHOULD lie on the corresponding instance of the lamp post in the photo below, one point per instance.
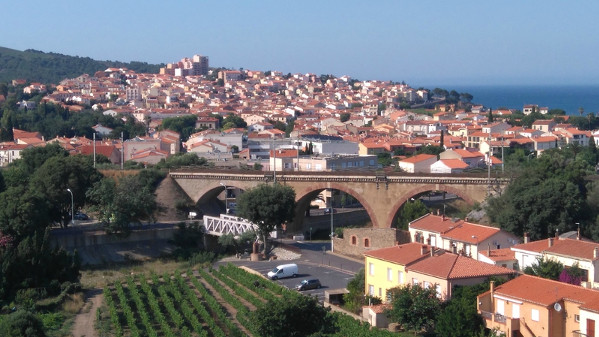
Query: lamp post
(226, 199)
(72, 207)
(332, 231)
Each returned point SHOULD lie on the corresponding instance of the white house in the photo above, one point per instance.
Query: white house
(418, 164)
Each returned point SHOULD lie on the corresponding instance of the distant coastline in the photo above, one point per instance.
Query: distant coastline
(566, 97)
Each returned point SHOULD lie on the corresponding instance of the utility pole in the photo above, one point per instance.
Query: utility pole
(94, 149)
(274, 161)
(122, 153)
(489, 162)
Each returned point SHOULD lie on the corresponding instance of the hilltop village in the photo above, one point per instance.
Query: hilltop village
(245, 114)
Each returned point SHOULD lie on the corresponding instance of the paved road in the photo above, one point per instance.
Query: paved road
(332, 270)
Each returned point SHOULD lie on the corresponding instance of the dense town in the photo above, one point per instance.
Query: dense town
(340, 117)
(305, 122)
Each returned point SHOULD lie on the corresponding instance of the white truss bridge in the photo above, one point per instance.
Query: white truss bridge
(227, 224)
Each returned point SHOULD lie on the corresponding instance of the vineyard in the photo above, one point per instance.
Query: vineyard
(202, 303)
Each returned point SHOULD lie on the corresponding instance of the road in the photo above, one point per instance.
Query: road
(332, 270)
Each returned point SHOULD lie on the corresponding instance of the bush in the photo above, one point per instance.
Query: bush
(22, 324)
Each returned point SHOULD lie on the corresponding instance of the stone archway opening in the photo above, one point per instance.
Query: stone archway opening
(430, 201)
(220, 199)
(315, 210)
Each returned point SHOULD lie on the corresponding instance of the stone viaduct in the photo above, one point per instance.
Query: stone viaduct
(381, 194)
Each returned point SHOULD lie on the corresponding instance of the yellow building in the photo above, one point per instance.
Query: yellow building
(386, 268)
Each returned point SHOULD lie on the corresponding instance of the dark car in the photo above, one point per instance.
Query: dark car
(81, 216)
(309, 284)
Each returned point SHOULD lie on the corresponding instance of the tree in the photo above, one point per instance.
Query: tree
(384, 159)
(459, 316)
(355, 299)
(22, 324)
(184, 125)
(233, 121)
(545, 268)
(120, 205)
(344, 117)
(414, 307)
(410, 211)
(281, 317)
(490, 116)
(548, 194)
(268, 206)
(573, 275)
(57, 175)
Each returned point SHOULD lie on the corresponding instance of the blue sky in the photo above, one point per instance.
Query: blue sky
(425, 43)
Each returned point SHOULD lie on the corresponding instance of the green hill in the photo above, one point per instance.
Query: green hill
(37, 66)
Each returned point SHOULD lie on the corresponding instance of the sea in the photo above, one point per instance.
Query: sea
(566, 97)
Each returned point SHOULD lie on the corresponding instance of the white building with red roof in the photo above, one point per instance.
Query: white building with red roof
(420, 163)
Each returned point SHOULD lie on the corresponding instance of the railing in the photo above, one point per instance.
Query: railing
(499, 318)
(578, 333)
(486, 314)
(226, 224)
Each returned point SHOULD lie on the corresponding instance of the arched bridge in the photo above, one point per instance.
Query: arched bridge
(380, 194)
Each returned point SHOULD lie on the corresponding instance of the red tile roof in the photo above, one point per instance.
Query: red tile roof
(452, 266)
(458, 230)
(502, 254)
(419, 158)
(547, 292)
(402, 254)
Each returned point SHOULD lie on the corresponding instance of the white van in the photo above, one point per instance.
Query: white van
(282, 271)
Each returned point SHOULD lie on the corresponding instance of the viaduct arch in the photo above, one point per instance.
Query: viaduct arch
(381, 195)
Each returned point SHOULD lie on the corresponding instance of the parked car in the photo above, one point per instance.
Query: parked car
(282, 271)
(308, 284)
(81, 216)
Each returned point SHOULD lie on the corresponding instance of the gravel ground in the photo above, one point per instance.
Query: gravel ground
(283, 254)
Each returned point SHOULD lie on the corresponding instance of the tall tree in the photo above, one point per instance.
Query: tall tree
(280, 317)
(414, 307)
(267, 206)
(120, 205)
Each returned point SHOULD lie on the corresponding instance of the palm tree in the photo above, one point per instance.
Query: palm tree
(581, 111)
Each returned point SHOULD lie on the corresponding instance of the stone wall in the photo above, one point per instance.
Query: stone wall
(356, 241)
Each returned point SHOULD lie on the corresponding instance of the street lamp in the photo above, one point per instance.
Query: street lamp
(226, 199)
(72, 207)
(332, 231)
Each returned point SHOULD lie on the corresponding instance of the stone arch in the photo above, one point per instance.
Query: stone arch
(302, 195)
(422, 189)
(212, 189)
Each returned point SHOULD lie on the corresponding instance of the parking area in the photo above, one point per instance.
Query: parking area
(330, 277)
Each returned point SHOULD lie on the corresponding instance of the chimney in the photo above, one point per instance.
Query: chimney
(550, 242)
(439, 212)
(492, 288)
(526, 238)
(422, 249)
(466, 219)
(557, 234)
(578, 234)
(596, 252)
(397, 243)
(432, 251)
(488, 249)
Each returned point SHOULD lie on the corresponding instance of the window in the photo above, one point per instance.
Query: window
(366, 243)
(426, 285)
(500, 307)
(354, 240)
(534, 315)
(309, 166)
(371, 268)
(400, 277)
(576, 318)
(370, 290)
(515, 311)
(415, 281)
(389, 274)
(380, 293)
(438, 289)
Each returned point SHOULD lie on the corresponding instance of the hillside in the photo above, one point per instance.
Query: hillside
(37, 66)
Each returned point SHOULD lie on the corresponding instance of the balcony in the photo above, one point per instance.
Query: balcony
(578, 333)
